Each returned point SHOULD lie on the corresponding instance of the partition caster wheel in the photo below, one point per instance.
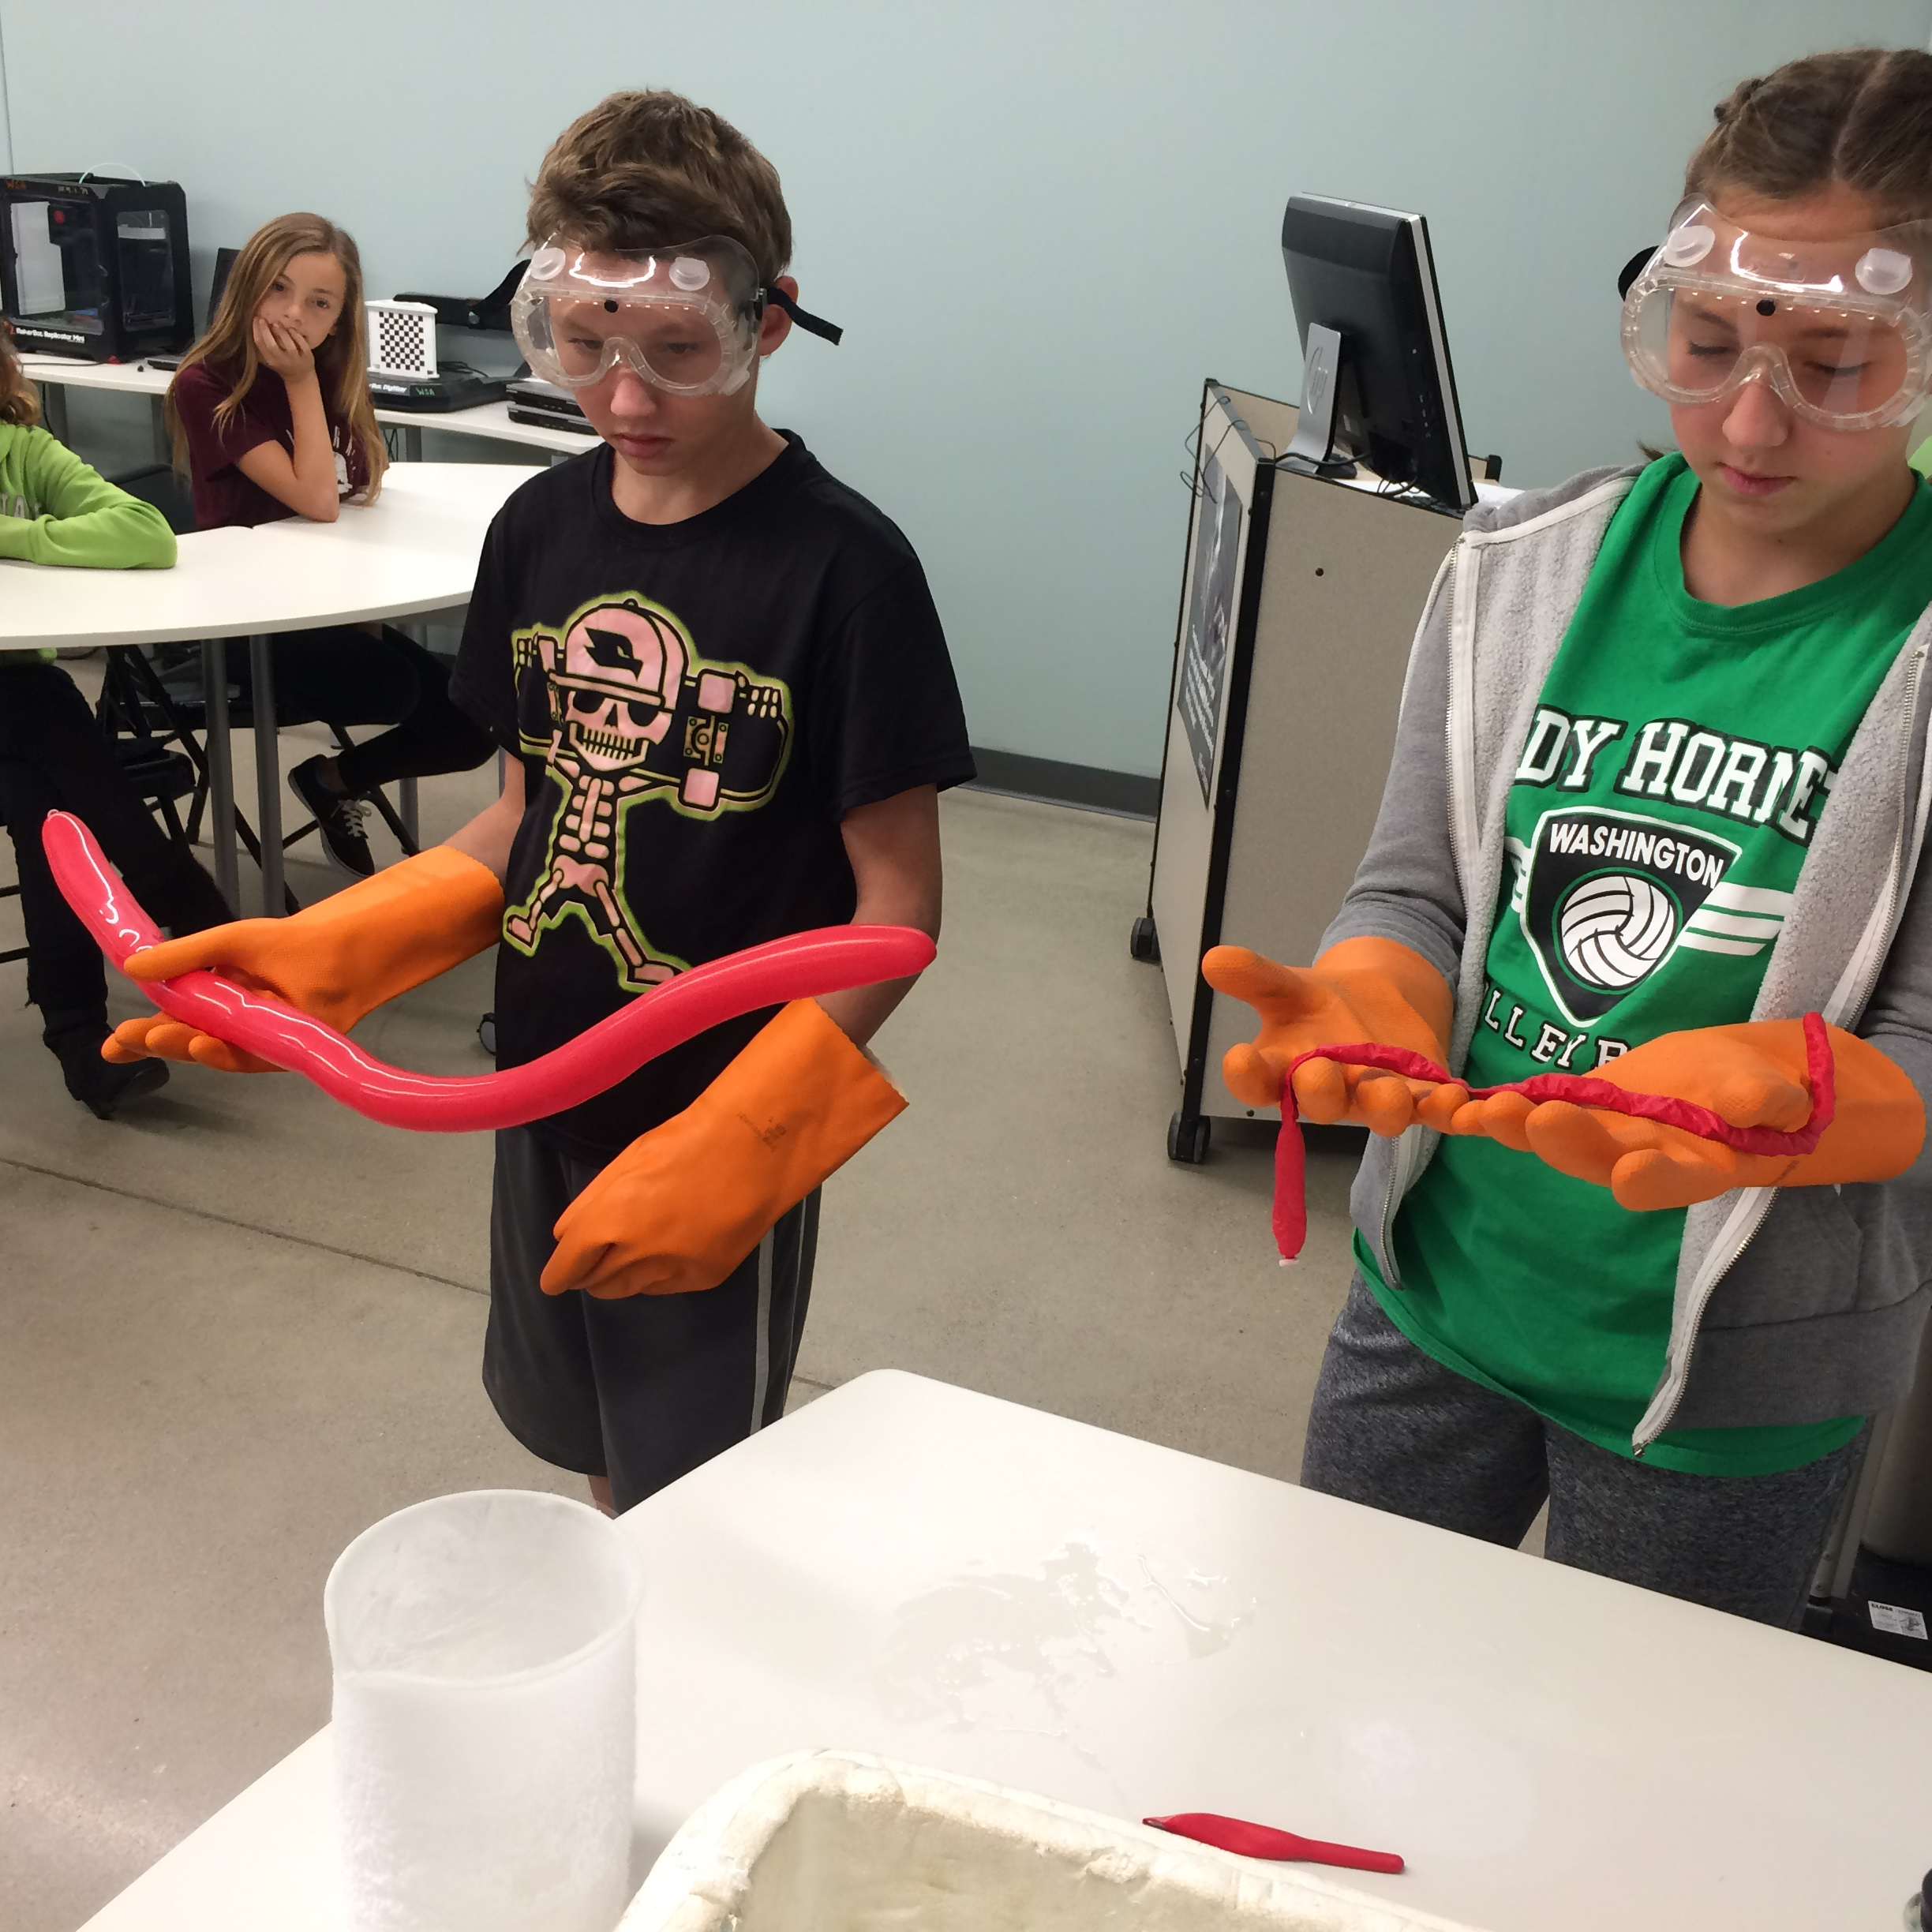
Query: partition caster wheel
(1143, 941)
(1187, 1140)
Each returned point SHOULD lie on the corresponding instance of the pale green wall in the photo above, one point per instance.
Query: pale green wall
(1041, 224)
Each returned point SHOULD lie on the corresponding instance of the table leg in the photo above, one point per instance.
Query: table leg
(221, 768)
(157, 419)
(267, 775)
(412, 443)
(408, 812)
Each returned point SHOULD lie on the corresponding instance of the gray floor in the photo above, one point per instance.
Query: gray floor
(241, 1324)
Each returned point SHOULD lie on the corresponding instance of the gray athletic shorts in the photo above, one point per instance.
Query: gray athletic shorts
(642, 1390)
(1392, 1428)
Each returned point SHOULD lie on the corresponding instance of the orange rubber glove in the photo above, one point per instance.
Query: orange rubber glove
(1359, 991)
(684, 1204)
(1753, 1076)
(337, 959)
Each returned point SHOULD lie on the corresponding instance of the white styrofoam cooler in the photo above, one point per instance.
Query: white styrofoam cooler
(824, 1840)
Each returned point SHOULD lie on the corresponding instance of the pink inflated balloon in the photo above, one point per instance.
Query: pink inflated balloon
(801, 966)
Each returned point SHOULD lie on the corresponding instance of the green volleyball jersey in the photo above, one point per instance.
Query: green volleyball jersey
(1661, 812)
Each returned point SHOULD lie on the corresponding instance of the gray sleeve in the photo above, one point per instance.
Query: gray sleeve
(1405, 888)
(1897, 1019)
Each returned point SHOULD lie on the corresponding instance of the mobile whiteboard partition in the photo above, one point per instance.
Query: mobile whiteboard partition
(1299, 600)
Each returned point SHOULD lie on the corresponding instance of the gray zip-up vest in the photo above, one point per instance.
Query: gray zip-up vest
(1792, 1305)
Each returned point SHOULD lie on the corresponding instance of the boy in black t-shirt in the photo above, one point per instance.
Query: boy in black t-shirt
(728, 710)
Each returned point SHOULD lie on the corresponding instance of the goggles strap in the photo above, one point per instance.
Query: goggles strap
(816, 325)
(1633, 268)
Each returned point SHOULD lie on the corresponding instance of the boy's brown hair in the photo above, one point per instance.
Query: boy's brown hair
(647, 169)
(20, 402)
(1861, 115)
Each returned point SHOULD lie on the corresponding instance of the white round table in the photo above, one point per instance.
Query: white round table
(413, 551)
(928, 1574)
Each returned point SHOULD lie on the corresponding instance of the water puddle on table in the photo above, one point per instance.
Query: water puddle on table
(1016, 1649)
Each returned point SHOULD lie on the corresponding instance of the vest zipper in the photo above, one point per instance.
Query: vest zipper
(1402, 1156)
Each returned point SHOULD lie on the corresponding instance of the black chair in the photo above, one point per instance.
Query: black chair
(162, 778)
(162, 485)
(137, 707)
(170, 704)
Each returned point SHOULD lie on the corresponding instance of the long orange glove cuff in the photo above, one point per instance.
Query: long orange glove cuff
(1360, 990)
(339, 959)
(1753, 1074)
(683, 1204)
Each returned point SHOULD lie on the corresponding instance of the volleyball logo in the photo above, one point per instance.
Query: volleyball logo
(1613, 929)
(1606, 895)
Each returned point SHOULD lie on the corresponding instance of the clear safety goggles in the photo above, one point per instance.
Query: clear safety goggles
(1840, 329)
(685, 319)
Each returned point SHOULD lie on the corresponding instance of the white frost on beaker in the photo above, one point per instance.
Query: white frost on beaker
(485, 1716)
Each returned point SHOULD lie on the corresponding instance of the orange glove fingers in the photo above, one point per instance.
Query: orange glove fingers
(1654, 1178)
(1321, 1090)
(206, 1050)
(1594, 1144)
(1501, 1117)
(128, 1042)
(1438, 1107)
(1766, 1099)
(154, 1037)
(592, 1266)
(1585, 1143)
(1385, 1103)
(1253, 1077)
(1246, 975)
(344, 956)
(247, 944)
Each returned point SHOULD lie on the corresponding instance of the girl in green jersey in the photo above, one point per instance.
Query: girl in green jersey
(1685, 796)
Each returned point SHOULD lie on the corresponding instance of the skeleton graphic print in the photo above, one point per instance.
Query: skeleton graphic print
(637, 717)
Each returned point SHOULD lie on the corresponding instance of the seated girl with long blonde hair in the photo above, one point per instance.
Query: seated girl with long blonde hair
(272, 418)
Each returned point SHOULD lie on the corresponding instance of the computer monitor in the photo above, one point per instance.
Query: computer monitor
(1377, 386)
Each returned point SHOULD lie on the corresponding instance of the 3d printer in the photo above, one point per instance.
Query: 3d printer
(95, 266)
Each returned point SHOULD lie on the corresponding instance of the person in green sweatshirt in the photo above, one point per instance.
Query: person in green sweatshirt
(54, 510)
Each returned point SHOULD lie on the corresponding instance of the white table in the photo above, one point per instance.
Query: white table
(908, 1568)
(489, 420)
(414, 550)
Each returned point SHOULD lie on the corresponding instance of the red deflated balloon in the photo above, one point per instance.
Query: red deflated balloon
(802, 966)
(1290, 1213)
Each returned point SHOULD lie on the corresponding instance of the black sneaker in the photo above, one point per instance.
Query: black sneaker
(101, 1085)
(339, 819)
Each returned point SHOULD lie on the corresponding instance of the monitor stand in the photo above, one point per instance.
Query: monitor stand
(1312, 451)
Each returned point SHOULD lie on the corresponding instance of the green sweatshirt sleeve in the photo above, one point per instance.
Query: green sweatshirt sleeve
(74, 515)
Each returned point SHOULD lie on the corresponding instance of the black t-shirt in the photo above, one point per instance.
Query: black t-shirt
(696, 706)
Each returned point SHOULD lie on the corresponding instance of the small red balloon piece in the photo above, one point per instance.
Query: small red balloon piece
(1290, 1214)
(1263, 1841)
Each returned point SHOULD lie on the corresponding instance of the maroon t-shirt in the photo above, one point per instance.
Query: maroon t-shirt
(222, 495)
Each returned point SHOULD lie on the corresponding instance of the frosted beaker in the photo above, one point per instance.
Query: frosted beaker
(485, 1716)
